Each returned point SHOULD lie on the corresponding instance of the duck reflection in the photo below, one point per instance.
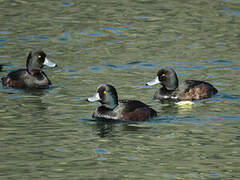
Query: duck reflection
(104, 127)
(108, 128)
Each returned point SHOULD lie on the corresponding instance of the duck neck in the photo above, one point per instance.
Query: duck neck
(111, 105)
(111, 102)
(33, 71)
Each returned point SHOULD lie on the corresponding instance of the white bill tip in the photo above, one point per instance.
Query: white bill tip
(96, 97)
(49, 63)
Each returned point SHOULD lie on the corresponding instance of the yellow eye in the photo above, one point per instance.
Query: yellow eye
(163, 75)
(39, 56)
(104, 92)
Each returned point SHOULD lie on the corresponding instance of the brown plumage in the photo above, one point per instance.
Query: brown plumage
(174, 89)
(126, 110)
(32, 77)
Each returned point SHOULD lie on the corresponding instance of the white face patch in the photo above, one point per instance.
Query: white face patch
(153, 82)
(49, 63)
(96, 97)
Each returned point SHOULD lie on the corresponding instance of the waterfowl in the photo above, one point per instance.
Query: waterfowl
(112, 108)
(32, 77)
(1, 66)
(174, 89)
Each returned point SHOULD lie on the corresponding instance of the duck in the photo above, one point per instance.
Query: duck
(32, 77)
(1, 66)
(114, 109)
(180, 90)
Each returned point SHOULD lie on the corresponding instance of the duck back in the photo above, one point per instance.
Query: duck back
(21, 78)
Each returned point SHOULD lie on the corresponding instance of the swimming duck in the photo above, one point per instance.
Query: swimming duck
(32, 77)
(174, 89)
(1, 66)
(112, 108)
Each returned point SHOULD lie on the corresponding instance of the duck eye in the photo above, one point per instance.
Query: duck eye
(39, 56)
(104, 92)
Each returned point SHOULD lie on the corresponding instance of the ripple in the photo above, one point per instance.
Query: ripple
(131, 157)
(127, 28)
(234, 68)
(214, 175)
(4, 40)
(66, 3)
(192, 67)
(94, 34)
(42, 37)
(170, 135)
(111, 65)
(170, 175)
(96, 68)
(141, 17)
(100, 158)
(61, 21)
(115, 30)
(194, 47)
(231, 11)
(60, 149)
(71, 77)
(223, 68)
(181, 74)
(25, 38)
(220, 43)
(15, 96)
(71, 71)
(84, 120)
(104, 151)
(77, 99)
(67, 34)
(226, 117)
(3, 60)
(90, 33)
(12, 90)
(222, 61)
(147, 65)
(84, 32)
(128, 65)
(170, 119)
(82, 52)
(177, 37)
(143, 86)
(62, 39)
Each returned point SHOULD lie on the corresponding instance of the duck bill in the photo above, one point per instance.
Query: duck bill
(95, 98)
(153, 82)
(49, 63)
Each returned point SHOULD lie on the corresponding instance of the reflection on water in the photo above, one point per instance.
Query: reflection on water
(50, 133)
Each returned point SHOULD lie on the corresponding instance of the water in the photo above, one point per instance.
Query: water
(49, 134)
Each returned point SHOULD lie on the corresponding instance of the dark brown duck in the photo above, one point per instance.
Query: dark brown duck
(32, 77)
(174, 89)
(112, 108)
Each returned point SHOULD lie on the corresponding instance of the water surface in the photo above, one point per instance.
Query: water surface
(49, 134)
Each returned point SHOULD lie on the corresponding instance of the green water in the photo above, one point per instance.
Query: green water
(50, 134)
